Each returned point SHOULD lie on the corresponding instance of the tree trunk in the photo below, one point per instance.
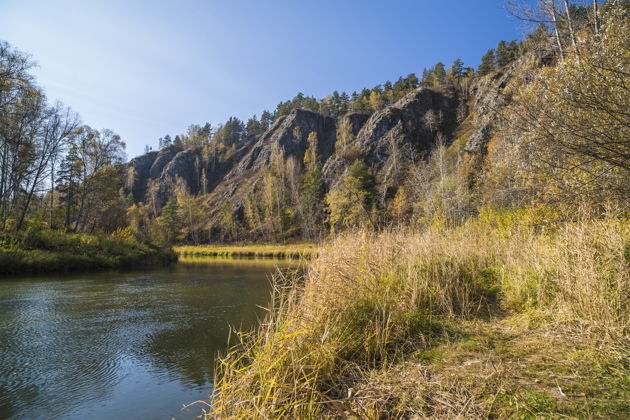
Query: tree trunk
(52, 192)
(596, 17)
(554, 18)
(570, 23)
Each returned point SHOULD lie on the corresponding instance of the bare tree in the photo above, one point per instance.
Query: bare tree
(567, 9)
(54, 129)
(544, 12)
(596, 17)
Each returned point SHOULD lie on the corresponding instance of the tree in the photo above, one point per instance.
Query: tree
(68, 180)
(54, 129)
(266, 120)
(572, 119)
(93, 153)
(231, 133)
(547, 12)
(254, 128)
(411, 82)
(312, 191)
(503, 56)
(345, 142)
(455, 72)
(165, 141)
(274, 192)
(352, 202)
(190, 212)
(427, 77)
(170, 219)
(400, 207)
(377, 102)
(439, 74)
(487, 63)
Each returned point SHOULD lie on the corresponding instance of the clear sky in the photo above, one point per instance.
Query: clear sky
(152, 67)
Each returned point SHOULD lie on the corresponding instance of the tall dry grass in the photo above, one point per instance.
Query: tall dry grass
(370, 299)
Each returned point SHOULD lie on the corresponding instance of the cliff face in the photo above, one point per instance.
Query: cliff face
(153, 176)
(386, 141)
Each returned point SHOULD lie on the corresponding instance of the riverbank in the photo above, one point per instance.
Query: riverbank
(48, 251)
(505, 317)
(302, 250)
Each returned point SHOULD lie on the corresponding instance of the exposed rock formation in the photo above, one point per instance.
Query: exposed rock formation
(404, 132)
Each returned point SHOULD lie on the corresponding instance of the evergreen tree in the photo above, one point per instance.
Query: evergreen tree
(312, 191)
(487, 63)
(231, 133)
(439, 74)
(456, 71)
(165, 141)
(503, 54)
(68, 179)
(266, 120)
(353, 201)
(170, 219)
(411, 82)
(254, 128)
(427, 77)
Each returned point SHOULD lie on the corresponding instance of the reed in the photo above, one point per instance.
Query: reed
(370, 303)
(290, 251)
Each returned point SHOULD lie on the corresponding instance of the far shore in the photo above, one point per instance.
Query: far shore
(300, 250)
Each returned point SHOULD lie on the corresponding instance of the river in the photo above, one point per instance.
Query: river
(122, 345)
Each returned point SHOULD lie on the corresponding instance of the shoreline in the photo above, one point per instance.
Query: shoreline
(280, 251)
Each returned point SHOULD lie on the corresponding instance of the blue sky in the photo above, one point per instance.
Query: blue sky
(147, 68)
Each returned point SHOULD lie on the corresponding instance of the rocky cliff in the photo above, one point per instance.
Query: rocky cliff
(386, 141)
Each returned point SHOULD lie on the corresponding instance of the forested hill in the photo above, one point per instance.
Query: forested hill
(540, 121)
(443, 146)
(259, 185)
(317, 166)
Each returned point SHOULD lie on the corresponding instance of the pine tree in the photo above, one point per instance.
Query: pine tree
(352, 202)
(68, 179)
(427, 77)
(170, 219)
(503, 55)
(313, 188)
(487, 63)
(456, 71)
(439, 74)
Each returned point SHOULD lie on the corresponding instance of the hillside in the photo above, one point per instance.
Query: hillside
(230, 176)
(489, 274)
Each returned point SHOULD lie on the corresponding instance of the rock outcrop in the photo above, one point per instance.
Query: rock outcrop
(402, 132)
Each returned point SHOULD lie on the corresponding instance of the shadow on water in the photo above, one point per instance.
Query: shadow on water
(123, 344)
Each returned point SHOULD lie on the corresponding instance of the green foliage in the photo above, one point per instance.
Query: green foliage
(40, 250)
(487, 63)
(506, 52)
(230, 133)
(352, 203)
(170, 219)
(439, 74)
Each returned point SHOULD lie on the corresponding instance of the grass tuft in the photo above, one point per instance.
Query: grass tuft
(469, 322)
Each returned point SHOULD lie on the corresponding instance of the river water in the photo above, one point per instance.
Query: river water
(123, 345)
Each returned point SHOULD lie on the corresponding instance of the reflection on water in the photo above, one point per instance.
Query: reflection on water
(122, 345)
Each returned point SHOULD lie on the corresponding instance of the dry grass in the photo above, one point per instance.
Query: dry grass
(291, 251)
(338, 341)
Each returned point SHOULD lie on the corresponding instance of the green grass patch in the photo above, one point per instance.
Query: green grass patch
(305, 250)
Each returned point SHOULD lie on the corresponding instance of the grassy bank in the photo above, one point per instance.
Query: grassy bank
(44, 250)
(250, 251)
(500, 318)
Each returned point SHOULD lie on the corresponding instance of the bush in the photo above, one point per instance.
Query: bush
(39, 250)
